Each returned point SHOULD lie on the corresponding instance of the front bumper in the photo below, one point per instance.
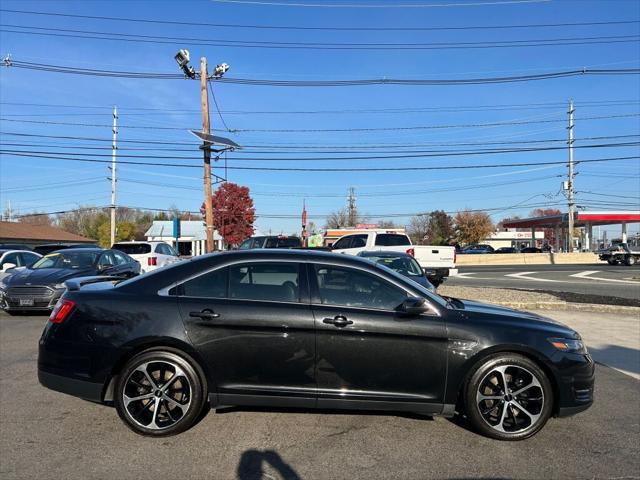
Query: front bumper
(575, 384)
(15, 299)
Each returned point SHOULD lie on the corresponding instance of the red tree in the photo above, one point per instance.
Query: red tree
(233, 212)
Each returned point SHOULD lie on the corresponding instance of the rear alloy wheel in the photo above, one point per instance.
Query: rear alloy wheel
(159, 393)
(509, 398)
(630, 260)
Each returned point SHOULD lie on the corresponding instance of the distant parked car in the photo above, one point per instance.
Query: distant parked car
(14, 246)
(404, 264)
(39, 286)
(531, 250)
(52, 247)
(12, 259)
(477, 248)
(506, 250)
(271, 241)
(151, 255)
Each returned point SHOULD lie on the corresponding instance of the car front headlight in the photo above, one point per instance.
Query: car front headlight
(569, 345)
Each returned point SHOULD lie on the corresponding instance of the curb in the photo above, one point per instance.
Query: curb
(570, 306)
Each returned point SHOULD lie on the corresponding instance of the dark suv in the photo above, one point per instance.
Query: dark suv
(271, 241)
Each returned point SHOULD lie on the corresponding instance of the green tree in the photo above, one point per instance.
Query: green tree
(124, 231)
(440, 230)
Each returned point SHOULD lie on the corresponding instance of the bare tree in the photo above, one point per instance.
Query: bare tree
(37, 218)
(337, 219)
(418, 228)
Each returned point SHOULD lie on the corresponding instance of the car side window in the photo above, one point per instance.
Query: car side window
(246, 245)
(277, 282)
(28, 258)
(120, 258)
(12, 258)
(343, 243)
(209, 285)
(359, 241)
(348, 287)
(106, 259)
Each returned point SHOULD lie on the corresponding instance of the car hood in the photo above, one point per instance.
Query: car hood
(472, 307)
(46, 276)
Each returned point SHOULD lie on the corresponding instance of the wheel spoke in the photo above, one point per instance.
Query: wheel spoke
(128, 400)
(143, 368)
(177, 374)
(534, 383)
(503, 417)
(154, 419)
(532, 417)
(481, 397)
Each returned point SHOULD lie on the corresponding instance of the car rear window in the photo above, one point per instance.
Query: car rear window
(391, 240)
(133, 248)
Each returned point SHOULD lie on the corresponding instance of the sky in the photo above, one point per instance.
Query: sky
(163, 110)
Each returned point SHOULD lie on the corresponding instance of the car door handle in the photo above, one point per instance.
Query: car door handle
(338, 321)
(205, 314)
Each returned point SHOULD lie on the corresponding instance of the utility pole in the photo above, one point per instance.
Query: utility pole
(204, 94)
(571, 202)
(351, 208)
(113, 175)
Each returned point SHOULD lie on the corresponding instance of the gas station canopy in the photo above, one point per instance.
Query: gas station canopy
(581, 219)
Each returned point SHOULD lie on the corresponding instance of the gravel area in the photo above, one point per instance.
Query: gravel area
(515, 296)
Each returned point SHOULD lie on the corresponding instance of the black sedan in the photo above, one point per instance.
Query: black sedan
(308, 330)
(400, 262)
(40, 286)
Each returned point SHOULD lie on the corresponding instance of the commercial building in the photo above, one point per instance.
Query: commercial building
(513, 238)
(192, 240)
(585, 221)
(32, 235)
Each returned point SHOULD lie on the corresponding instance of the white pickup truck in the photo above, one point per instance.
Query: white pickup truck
(438, 262)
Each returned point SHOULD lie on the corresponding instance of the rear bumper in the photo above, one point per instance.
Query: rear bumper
(71, 386)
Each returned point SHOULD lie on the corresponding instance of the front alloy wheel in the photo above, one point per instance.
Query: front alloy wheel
(159, 393)
(509, 398)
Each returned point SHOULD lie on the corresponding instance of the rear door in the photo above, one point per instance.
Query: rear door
(368, 353)
(252, 323)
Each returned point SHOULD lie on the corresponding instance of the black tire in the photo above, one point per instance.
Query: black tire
(612, 261)
(630, 260)
(174, 386)
(521, 375)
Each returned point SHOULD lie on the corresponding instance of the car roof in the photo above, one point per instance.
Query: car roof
(83, 250)
(14, 250)
(134, 242)
(383, 253)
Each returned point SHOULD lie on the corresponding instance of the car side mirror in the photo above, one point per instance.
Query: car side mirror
(8, 266)
(413, 306)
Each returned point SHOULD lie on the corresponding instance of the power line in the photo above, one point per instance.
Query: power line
(317, 130)
(404, 155)
(215, 102)
(323, 28)
(325, 83)
(152, 39)
(311, 169)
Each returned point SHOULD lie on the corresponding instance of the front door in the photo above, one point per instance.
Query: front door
(252, 323)
(367, 352)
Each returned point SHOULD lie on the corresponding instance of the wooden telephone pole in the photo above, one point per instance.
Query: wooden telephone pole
(204, 94)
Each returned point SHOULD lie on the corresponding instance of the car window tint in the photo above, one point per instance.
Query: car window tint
(246, 245)
(209, 285)
(28, 258)
(391, 240)
(342, 243)
(106, 259)
(133, 248)
(358, 241)
(276, 282)
(355, 288)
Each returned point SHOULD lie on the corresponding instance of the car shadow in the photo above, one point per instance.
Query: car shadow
(252, 463)
(616, 356)
(324, 411)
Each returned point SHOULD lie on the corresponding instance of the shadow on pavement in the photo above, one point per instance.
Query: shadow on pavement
(252, 462)
(616, 356)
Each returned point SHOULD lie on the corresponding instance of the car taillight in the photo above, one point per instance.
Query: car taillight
(61, 311)
(152, 261)
(411, 252)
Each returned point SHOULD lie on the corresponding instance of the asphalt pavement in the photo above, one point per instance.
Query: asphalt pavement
(596, 279)
(48, 435)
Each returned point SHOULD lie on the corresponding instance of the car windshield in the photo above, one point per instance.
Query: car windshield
(133, 248)
(65, 259)
(404, 265)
